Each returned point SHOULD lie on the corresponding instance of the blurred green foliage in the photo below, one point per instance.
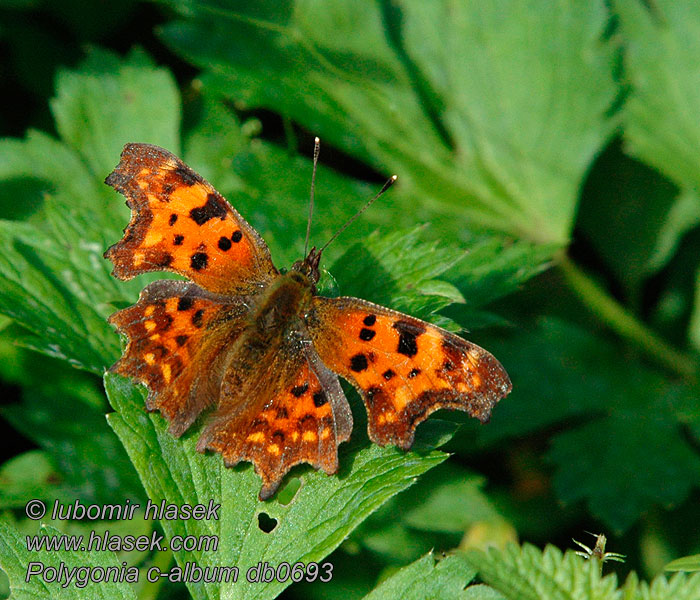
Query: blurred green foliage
(547, 154)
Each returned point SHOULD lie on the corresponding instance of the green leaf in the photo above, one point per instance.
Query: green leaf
(26, 476)
(53, 278)
(687, 563)
(609, 459)
(679, 587)
(683, 216)
(321, 514)
(623, 214)
(609, 420)
(661, 45)
(111, 102)
(404, 272)
(92, 467)
(433, 514)
(425, 578)
(463, 101)
(526, 573)
(694, 324)
(15, 559)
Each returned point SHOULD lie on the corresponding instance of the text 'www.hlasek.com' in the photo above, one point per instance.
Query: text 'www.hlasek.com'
(70, 572)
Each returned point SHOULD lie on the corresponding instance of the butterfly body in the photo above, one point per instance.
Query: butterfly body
(258, 350)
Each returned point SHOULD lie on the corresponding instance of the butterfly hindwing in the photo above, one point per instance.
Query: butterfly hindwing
(301, 416)
(180, 223)
(404, 368)
(173, 330)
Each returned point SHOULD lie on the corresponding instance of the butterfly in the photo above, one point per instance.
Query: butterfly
(258, 349)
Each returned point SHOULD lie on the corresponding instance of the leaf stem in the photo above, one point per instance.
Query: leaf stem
(151, 589)
(626, 325)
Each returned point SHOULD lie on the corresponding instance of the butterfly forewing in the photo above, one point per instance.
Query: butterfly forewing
(404, 368)
(180, 223)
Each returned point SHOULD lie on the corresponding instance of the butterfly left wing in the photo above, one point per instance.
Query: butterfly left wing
(177, 335)
(180, 223)
(404, 368)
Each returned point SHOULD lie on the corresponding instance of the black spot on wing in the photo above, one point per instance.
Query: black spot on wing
(185, 303)
(413, 373)
(197, 318)
(358, 363)
(408, 332)
(224, 244)
(370, 320)
(199, 260)
(237, 236)
(172, 220)
(388, 374)
(212, 209)
(367, 334)
(299, 390)
(320, 399)
(181, 340)
(178, 239)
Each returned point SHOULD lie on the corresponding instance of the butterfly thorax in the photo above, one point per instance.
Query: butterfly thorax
(283, 304)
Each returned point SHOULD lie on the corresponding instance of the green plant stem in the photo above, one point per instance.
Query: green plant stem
(608, 310)
(150, 590)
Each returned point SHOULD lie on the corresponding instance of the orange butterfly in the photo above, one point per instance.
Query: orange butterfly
(258, 346)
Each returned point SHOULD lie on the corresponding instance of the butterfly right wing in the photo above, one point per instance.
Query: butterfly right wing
(177, 339)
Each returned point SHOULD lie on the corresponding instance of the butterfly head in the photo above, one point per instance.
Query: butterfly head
(309, 266)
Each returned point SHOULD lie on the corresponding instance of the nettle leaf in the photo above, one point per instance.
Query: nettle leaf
(526, 573)
(399, 270)
(492, 268)
(15, 558)
(307, 527)
(678, 587)
(478, 120)
(661, 45)
(425, 578)
(110, 102)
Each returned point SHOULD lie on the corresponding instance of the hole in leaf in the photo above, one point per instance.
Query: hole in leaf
(266, 522)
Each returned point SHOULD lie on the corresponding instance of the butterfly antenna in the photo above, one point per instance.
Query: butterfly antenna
(385, 187)
(317, 147)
